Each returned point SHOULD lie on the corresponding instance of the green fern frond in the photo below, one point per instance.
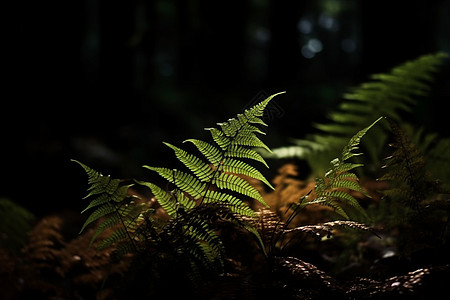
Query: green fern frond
(213, 154)
(203, 171)
(116, 236)
(235, 204)
(165, 199)
(386, 95)
(239, 152)
(333, 189)
(103, 211)
(239, 167)
(112, 208)
(233, 141)
(209, 190)
(244, 139)
(237, 184)
(184, 181)
(112, 221)
(99, 184)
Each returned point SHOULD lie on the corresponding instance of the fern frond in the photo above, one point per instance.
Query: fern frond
(333, 189)
(213, 154)
(406, 170)
(239, 152)
(99, 184)
(165, 199)
(233, 141)
(116, 236)
(202, 170)
(113, 209)
(184, 181)
(234, 183)
(213, 179)
(103, 211)
(235, 204)
(239, 167)
(209, 191)
(354, 142)
(386, 95)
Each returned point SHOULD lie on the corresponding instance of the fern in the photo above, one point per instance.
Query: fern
(415, 204)
(334, 188)
(210, 188)
(218, 180)
(112, 207)
(389, 95)
(232, 142)
(407, 173)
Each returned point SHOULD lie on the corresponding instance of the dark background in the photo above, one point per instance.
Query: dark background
(106, 81)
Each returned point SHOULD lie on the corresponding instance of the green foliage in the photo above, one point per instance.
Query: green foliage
(233, 142)
(416, 204)
(335, 188)
(406, 171)
(388, 95)
(208, 190)
(113, 208)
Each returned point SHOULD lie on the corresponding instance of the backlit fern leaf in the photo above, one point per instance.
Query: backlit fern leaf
(216, 178)
(235, 204)
(334, 188)
(387, 95)
(202, 170)
(233, 141)
(113, 208)
(237, 184)
(209, 191)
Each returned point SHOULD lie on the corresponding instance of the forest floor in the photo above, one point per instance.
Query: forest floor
(405, 261)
